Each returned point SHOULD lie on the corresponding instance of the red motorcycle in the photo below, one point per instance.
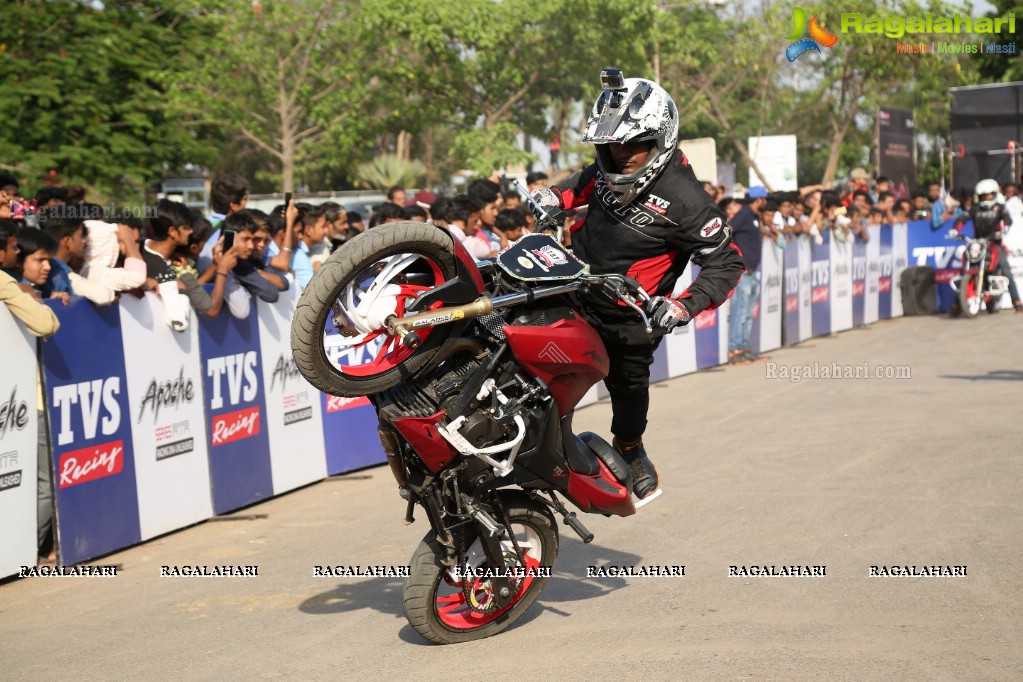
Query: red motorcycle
(978, 284)
(474, 370)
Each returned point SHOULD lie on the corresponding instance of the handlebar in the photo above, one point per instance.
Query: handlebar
(626, 289)
(545, 220)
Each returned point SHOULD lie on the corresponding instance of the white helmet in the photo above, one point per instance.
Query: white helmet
(632, 110)
(987, 186)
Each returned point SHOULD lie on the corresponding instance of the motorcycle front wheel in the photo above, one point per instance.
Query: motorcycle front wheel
(442, 608)
(338, 338)
(970, 300)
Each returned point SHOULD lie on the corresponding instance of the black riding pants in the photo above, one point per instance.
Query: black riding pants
(628, 382)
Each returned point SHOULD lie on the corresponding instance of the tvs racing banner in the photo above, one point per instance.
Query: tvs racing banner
(235, 411)
(711, 331)
(294, 422)
(820, 283)
(18, 433)
(841, 284)
(167, 419)
(681, 342)
(90, 431)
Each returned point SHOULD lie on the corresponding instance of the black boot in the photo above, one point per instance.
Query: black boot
(644, 476)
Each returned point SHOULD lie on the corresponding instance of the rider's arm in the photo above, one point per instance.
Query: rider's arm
(704, 232)
(576, 191)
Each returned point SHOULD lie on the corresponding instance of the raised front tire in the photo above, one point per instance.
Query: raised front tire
(338, 336)
(444, 610)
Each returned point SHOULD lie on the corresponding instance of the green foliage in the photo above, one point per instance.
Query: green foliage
(81, 92)
(388, 170)
(484, 150)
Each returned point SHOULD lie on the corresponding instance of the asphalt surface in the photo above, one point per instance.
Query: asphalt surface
(846, 474)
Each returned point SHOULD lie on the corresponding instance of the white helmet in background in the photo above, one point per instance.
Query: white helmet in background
(632, 110)
(985, 187)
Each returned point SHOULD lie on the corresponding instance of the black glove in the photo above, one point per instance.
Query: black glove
(669, 312)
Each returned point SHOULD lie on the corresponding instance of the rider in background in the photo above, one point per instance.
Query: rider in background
(990, 220)
(647, 217)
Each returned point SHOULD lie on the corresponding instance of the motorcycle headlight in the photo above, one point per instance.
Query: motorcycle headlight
(973, 250)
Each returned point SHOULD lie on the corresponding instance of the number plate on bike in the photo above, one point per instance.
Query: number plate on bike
(539, 257)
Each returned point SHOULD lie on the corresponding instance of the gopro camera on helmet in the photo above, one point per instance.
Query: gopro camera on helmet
(612, 79)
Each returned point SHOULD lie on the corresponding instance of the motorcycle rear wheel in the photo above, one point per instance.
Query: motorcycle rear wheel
(970, 301)
(383, 269)
(435, 602)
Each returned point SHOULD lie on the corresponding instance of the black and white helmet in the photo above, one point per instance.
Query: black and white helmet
(632, 110)
(984, 187)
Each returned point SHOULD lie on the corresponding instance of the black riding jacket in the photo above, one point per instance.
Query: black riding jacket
(986, 221)
(652, 239)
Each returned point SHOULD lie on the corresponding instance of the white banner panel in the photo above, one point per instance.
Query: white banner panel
(870, 309)
(1013, 243)
(681, 342)
(293, 413)
(772, 266)
(18, 433)
(841, 285)
(805, 288)
(164, 376)
(702, 153)
(900, 260)
(776, 157)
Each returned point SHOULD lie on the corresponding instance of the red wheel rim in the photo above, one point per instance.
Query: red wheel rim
(377, 352)
(455, 612)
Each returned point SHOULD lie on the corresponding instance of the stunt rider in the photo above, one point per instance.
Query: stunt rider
(648, 217)
(990, 220)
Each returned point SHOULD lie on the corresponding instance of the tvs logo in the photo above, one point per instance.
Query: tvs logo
(170, 393)
(858, 288)
(791, 304)
(92, 463)
(818, 36)
(550, 255)
(657, 204)
(336, 404)
(233, 426)
(711, 228)
(241, 378)
(97, 402)
(13, 414)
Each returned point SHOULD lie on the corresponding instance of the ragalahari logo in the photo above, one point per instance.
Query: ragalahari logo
(818, 36)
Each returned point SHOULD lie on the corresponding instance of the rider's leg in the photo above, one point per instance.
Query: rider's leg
(628, 382)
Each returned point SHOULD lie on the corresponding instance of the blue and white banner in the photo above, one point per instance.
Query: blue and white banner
(165, 391)
(93, 454)
(873, 274)
(900, 261)
(933, 248)
(859, 283)
(841, 283)
(766, 334)
(18, 436)
(293, 407)
(820, 283)
(240, 470)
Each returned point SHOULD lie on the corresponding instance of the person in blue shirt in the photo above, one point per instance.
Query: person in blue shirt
(312, 224)
(939, 211)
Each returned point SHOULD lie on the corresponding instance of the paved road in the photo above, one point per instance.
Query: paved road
(845, 474)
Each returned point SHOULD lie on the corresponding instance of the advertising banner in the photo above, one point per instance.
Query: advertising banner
(900, 261)
(710, 329)
(168, 424)
(870, 309)
(18, 445)
(859, 283)
(240, 470)
(933, 248)
(681, 342)
(886, 284)
(896, 145)
(294, 422)
(841, 284)
(766, 334)
(90, 431)
(820, 283)
(791, 283)
(775, 155)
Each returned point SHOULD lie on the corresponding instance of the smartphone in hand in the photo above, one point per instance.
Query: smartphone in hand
(287, 202)
(228, 240)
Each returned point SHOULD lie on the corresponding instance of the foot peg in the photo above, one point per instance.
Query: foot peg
(570, 519)
(649, 498)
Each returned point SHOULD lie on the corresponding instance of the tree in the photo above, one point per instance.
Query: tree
(286, 76)
(81, 92)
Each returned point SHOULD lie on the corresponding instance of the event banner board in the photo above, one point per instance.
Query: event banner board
(233, 391)
(168, 423)
(18, 445)
(90, 432)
